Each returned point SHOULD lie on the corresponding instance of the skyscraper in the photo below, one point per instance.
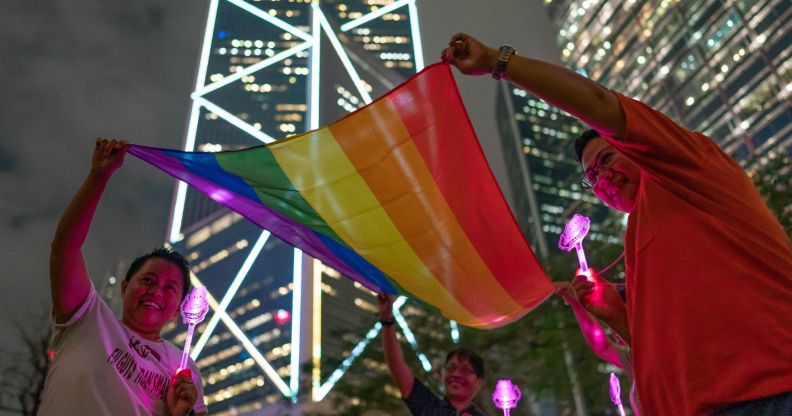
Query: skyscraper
(544, 175)
(719, 68)
(270, 69)
(722, 68)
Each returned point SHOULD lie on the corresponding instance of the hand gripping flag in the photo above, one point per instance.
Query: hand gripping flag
(397, 196)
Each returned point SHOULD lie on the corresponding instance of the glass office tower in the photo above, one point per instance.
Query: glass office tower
(543, 173)
(722, 68)
(719, 67)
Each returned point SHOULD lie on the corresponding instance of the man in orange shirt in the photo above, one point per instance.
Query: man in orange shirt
(709, 268)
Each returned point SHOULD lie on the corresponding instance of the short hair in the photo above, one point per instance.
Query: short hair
(474, 359)
(582, 141)
(168, 254)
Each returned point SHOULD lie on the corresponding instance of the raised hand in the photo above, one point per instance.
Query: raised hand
(385, 306)
(469, 55)
(108, 156)
(69, 281)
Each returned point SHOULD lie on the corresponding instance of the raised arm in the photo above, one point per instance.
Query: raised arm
(394, 357)
(590, 102)
(69, 282)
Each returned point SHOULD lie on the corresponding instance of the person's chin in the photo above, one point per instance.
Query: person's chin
(613, 203)
(619, 200)
(616, 203)
(626, 199)
(456, 391)
(150, 320)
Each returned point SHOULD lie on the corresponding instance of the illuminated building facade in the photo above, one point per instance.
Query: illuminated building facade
(271, 69)
(722, 68)
(719, 67)
(543, 173)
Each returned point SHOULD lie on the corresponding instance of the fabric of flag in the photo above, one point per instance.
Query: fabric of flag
(396, 195)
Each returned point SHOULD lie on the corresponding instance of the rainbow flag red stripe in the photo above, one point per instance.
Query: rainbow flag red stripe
(397, 196)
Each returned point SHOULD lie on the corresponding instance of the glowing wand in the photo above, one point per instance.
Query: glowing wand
(193, 311)
(572, 237)
(615, 393)
(506, 396)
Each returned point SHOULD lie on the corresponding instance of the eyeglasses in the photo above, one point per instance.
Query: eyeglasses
(603, 163)
(464, 370)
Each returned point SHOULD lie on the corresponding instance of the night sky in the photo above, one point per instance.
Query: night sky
(74, 70)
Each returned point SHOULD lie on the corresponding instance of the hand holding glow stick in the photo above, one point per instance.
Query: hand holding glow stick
(193, 311)
(506, 396)
(572, 237)
(615, 393)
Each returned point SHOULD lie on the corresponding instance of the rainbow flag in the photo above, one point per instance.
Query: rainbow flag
(397, 196)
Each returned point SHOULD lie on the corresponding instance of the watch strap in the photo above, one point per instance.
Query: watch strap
(506, 53)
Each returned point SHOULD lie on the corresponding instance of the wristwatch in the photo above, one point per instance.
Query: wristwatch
(506, 53)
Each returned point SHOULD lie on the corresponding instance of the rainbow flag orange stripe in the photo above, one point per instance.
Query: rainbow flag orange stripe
(397, 196)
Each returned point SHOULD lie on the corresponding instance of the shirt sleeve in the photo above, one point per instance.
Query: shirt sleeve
(421, 401)
(89, 306)
(668, 152)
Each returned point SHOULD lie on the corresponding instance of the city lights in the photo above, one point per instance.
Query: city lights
(241, 79)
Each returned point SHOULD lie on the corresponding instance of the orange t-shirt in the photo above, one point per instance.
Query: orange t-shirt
(709, 274)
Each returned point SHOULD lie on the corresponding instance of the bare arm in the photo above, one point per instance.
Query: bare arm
(69, 282)
(593, 333)
(585, 99)
(401, 372)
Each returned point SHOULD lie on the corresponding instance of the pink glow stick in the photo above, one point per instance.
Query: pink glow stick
(193, 311)
(572, 237)
(615, 393)
(506, 396)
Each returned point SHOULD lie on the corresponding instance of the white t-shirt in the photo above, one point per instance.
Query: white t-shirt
(101, 367)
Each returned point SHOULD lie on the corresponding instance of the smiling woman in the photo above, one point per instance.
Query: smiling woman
(152, 290)
(115, 66)
(101, 363)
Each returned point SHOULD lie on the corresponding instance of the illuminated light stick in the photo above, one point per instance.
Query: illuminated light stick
(572, 237)
(615, 393)
(193, 311)
(506, 396)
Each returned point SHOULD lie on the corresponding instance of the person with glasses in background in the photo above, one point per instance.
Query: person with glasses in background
(708, 267)
(463, 374)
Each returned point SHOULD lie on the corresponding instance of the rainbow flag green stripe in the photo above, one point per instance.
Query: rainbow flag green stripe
(396, 195)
